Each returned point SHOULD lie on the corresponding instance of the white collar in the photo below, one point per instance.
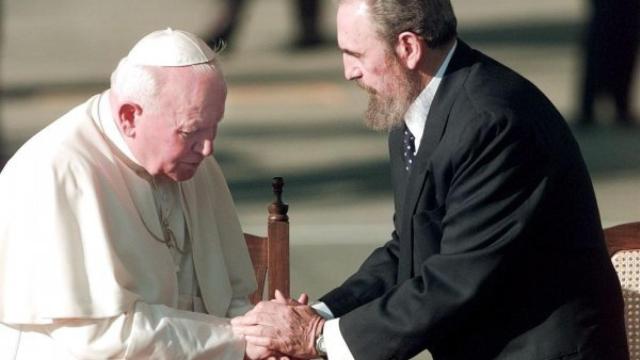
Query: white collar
(416, 115)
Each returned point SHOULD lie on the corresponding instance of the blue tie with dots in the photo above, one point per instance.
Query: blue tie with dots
(408, 149)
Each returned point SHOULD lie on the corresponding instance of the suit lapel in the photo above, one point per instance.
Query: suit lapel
(434, 128)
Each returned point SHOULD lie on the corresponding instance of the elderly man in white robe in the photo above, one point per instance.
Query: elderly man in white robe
(118, 235)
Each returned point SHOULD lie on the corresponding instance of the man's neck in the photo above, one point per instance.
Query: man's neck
(432, 62)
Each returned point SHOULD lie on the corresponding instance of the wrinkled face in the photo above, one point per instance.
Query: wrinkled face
(175, 136)
(369, 61)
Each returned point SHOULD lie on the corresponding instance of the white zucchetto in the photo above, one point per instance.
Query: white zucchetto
(170, 48)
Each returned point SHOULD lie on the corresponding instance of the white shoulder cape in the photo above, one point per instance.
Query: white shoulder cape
(75, 241)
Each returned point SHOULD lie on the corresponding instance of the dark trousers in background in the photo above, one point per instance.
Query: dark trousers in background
(611, 49)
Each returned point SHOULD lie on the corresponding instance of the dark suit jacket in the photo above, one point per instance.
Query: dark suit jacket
(498, 250)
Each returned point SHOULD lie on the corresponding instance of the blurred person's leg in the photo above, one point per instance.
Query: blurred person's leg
(308, 14)
(226, 24)
(621, 85)
(593, 58)
(610, 53)
(626, 39)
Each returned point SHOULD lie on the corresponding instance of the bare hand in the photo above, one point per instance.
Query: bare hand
(254, 352)
(284, 325)
(303, 299)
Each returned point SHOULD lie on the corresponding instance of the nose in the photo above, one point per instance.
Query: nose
(204, 147)
(351, 69)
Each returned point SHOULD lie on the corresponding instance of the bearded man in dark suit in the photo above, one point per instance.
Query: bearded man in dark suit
(497, 251)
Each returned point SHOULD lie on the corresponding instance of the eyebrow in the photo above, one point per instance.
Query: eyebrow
(349, 52)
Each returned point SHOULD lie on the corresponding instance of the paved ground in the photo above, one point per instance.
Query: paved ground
(291, 114)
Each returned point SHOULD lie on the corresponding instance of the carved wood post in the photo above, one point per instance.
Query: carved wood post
(278, 234)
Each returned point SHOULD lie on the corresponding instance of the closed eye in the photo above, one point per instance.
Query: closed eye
(184, 133)
(352, 53)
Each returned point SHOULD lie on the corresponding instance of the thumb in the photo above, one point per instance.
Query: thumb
(303, 299)
(279, 297)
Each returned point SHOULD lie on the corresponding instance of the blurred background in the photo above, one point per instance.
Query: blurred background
(290, 112)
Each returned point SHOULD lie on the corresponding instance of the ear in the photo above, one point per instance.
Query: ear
(128, 114)
(410, 49)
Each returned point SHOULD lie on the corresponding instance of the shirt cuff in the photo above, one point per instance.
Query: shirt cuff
(336, 346)
(323, 310)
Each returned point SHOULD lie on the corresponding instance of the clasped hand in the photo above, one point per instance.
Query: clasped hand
(280, 329)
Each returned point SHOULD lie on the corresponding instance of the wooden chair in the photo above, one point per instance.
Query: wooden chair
(270, 254)
(623, 243)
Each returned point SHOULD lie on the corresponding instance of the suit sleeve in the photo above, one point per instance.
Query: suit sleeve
(497, 181)
(375, 276)
(379, 271)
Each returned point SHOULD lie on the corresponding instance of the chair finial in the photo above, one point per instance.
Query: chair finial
(278, 209)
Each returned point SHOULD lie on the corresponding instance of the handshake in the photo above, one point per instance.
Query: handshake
(280, 329)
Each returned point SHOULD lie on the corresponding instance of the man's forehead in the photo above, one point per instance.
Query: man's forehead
(355, 25)
(362, 8)
(357, 7)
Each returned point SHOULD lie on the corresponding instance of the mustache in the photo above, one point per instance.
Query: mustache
(366, 88)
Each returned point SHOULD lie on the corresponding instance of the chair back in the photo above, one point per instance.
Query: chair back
(270, 253)
(623, 243)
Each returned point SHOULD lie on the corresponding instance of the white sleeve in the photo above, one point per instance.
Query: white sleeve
(150, 332)
(323, 310)
(336, 346)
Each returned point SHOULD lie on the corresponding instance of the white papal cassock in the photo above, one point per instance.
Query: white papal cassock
(84, 270)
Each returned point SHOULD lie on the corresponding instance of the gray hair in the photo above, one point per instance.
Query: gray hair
(434, 20)
(142, 83)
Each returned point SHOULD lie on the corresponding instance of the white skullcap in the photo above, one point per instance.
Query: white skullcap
(170, 48)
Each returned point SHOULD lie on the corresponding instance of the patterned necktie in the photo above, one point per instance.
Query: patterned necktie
(408, 149)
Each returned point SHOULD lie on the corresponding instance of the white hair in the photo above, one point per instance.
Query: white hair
(142, 84)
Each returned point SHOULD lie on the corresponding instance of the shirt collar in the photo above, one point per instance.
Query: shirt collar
(416, 115)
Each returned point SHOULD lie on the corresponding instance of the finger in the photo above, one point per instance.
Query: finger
(240, 330)
(279, 297)
(260, 341)
(303, 299)
(274, 307)
(257, 352)
(267, 306)
(242, 321)
(256, 330)
(256, 318)
(237, 331)
(259, 306)
(281, 356)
